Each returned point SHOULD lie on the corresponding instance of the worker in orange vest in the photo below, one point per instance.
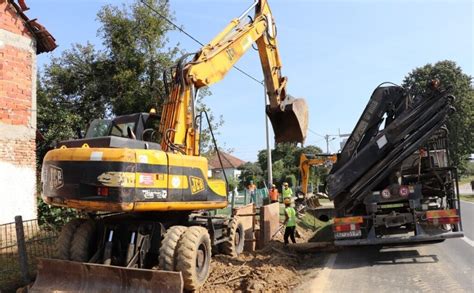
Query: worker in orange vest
(273, 194)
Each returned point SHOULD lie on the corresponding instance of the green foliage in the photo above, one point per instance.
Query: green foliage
(54, 216)
(290, 179)
(250, 171)
(286, 159)
(461, 123)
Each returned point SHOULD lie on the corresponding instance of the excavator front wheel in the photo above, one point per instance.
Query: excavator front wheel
(194, 257)
(235, 244)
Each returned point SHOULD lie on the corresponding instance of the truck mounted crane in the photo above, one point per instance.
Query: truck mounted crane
(146, 189)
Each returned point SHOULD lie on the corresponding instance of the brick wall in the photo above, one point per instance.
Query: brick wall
(10, 21)
(15, 85)
(19, 152)
(17, 116)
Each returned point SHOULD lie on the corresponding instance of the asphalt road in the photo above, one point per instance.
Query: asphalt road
(442, 267)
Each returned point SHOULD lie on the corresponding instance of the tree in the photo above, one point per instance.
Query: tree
(250, 171)
(461, 123)
(286, 159)
(125, 77)
(135, 44)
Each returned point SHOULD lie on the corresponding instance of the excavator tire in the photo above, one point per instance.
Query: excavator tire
(63, 244)
(82, 242)
(167, 258)
(235, 244)
(194, 257)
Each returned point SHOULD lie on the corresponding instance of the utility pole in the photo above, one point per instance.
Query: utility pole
(328, 138)
(331, 137)
(269, 151)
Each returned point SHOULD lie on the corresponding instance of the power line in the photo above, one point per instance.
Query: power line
(314, 132)
(193, 38)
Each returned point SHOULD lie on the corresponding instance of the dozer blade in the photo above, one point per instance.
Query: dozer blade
(68, 276)
(291, 124)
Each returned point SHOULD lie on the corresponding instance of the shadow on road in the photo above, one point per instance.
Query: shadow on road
(354, 257)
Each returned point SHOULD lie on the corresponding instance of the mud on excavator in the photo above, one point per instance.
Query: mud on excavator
(145, 188)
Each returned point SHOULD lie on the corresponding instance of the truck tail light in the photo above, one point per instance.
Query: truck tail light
(347, 224)
(437, 217)
(102, 191)
(404, 191)
(346, 227)
(385, 193)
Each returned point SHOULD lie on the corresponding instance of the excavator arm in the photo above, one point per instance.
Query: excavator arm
(308, 160)
(289, 116)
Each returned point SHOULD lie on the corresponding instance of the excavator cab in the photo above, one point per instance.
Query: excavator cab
(291, 123)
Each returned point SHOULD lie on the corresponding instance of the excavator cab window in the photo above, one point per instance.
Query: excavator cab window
(98, 128)
(150, 132)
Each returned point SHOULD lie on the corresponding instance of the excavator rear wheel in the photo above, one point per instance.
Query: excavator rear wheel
(63, 244)
(81, 247)
(194, 257)
(167, 258)
(235, 244)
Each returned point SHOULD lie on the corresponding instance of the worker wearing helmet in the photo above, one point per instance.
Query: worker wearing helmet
(290, 221)
(273, 194)
(286, 191)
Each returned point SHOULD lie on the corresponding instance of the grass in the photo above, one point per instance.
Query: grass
(465, 180)
(469, 197)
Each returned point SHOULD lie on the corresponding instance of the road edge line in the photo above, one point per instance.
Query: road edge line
(465, 201)
(468, 241)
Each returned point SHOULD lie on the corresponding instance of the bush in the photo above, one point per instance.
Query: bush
(291, 180)
(54, 216)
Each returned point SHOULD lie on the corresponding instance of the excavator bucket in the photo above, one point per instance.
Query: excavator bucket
(291, 124)
(68, 276)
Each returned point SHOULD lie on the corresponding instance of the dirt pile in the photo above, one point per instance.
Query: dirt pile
(276, 268)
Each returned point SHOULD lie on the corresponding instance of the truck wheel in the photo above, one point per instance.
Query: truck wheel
(235, 244)
(194, 257)
(63, 244)
(81, 248)
(167, 257)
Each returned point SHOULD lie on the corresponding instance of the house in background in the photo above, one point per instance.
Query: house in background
(21, 39)
(229, 163)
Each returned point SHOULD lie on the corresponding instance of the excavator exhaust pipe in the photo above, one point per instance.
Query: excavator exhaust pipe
(291, 124)
(68, 276)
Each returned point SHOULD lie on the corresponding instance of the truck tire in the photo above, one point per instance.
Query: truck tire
(81, 248)
(235, 244)
(194, 257)
(167, 257)
(63, 243)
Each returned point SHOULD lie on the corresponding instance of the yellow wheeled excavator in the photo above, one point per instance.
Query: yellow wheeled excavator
(306, 162)
(143, 183)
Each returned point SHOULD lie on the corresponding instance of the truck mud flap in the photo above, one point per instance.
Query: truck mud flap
(291, 124)
(420, 239)
(68, 276)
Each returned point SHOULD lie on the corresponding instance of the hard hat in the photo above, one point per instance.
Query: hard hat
(287, 200)
(285, 183)
(273, 185)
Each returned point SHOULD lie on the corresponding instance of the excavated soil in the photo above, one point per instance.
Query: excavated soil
(276, 268)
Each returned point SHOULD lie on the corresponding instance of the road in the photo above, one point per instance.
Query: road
(442, 267)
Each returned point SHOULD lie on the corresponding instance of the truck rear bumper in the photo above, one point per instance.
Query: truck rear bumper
(398, 240)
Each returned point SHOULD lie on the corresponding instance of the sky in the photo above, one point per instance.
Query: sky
(334, 54)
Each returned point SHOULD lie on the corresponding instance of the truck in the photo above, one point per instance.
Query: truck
(142, 181)
(393, 181)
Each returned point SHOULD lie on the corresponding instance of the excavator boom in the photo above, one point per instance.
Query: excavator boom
(289, 116)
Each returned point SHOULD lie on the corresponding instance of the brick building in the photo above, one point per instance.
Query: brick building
(21, 39)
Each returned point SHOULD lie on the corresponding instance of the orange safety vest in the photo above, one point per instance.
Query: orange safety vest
(273, 194)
